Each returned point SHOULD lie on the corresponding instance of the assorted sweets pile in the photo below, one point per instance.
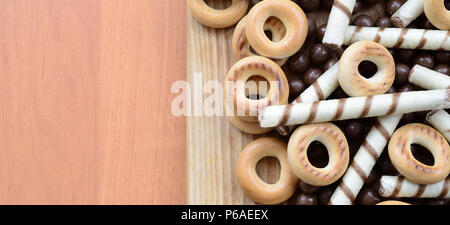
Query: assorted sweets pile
(360, 116)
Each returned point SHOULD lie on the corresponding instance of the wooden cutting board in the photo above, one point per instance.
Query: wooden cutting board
(213, 144)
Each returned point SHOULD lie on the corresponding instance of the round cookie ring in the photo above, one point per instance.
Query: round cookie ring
(353, 83)
(335, 142)
(392, 202)
(292, 17)
(253, 186)
(437, 14)
(241, 47)
(240, 73)
(217, 18)
(403, 160)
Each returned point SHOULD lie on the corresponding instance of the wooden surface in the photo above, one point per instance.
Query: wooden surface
(213, 144)
(85, 101)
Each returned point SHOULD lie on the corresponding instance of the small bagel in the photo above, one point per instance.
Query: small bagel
(240, 73)
(335, 142)
(293, 19)
(393, 203)
(403, 160)
(437, 14)
(217, 18)
(240, 45)
(252, 185)
(353, 83)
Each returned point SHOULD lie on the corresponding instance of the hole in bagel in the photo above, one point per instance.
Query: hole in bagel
(268, 169)
(367, 69)
(279, 29)
(447, 4)
(222, 4)
(317, 154)
(422, 154)
(256, 87)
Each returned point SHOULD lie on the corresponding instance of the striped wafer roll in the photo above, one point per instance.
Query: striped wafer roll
(356, 107)
(407, 13)
(338, 21)
(399, 187)
(319, 90)
(400, 37)
(364, 160)
(440, 120)
(428, 79)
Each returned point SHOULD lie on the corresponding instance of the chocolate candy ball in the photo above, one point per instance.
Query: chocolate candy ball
(368, 196)
(338, 52)
(311, 26)
(311, 75)
(309, 5)
(324, 195)
(296, 87)
(404, 55)
(354, 130)
(424, 59)
(401, 74)
(442, 57)
(393, 5)
(329, 64)
(319, 54)
(383, 22)
(442, 68)
(363, 21)
(306, 199)
(426, 24)
(407, 87)
(299, 63)
(320, 31)
(307, 188)
(358, 7)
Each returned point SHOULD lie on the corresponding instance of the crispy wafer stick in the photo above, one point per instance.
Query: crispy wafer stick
(400, 37)
(364, 160)
(399, 187)
(319, 90)
(430, 79)
(356, 107)
(440, 120)
(407, 13)
(338, 21)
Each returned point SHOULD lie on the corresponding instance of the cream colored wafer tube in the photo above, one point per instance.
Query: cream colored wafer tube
(365, 160)
(319, 90)
(430, 79)
(399, 187)
(338, 21)
(400, 37)
(440, 120)
(356, 107)
(407, 13)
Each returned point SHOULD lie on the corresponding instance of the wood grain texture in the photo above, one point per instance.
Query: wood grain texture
(213, 144)
(85, 102)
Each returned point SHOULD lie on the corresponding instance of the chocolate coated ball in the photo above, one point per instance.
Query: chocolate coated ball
(383, 22)
(442, 57)
(401, 74)
(320, 32)
(393, 5)
(319, 54)
(311, 75)
(368, 196)
(363, 21)
(307, 188)
(442, 68)
(358, 7)
(324, 195)
(329, 64)
(354, 130)
(296, 87)
(424, 59)
(311, 26)
(306, 199)
(407, 87)
(309, 5)
(299, 63)
(404, 55)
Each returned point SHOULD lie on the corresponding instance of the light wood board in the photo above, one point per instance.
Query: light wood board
(213, 144)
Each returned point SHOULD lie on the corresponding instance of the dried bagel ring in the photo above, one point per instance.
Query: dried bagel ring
(392, 202)
(403, 160)
(353, 83)
(217, 18)
(240, 45)
(292, 17)
(335, 142)
(237, 101)
(437, 14)
(253, 186)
